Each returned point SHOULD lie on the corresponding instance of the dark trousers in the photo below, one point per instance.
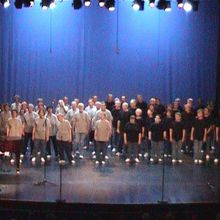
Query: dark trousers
(64, 147)
(121, 143)
(52, 140)
(217, 150)
(27, 139)
(167, 147)
(187, 146)
(101, 146)
(132, 150)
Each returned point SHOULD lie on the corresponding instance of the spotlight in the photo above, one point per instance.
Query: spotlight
(87, 3)
(138, 5)
(52, 4)
(110, 5)
(77, 4)
(5, 3)
(152, 3)
(101, 3)
(167, 6)
(180, 3)
(188, 6)
(18, 4)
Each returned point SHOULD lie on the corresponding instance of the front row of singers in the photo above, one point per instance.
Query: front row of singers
(43, 129)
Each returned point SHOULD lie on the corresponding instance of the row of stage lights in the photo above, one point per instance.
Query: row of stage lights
(137, 5)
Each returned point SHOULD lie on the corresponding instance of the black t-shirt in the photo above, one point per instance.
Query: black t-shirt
(132, 131)
(199, 129)
(157, 130)
(177, 128)
(109, 105)
(142, 106)
(124, 119)
(167, 122)
(188, 119)
(140, 122)
(159, 109)
(132, 111)
(148, 123)
(115, 115)
(208, 121)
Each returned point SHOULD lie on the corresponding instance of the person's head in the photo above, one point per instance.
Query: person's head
(117, 104)
(168, 113)
(152, 101)
(50, 109)
(138, 112)
(178, 116)
(98, 105)
(109, 98)
(133, 103)
(206, 112)
(61, 102)
(125, 106)
(41, 113)
(132, 119)
(123, 98)
(176, 105)
(90, 103)
(60, 117)
(157, 101)
(200, 113)
(178, 100)
(140, 98)
(103, 106)
(157, 118)
(16, 98)
(151, 107)
(30, 108)
(103, 115)
(81, 107)
(24, 105)
(190, 102)
(14, 113)
(6, 107)
(65, 100)
(95, 98)
(76, 100)
(187, 108)
(199, 101)
(74, 105)
(117, 99)
(149, 113)
(40, 100)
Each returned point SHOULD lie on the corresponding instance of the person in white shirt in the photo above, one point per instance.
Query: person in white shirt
(61, 108)
(80, 126)
(16, 105)
(72, 111)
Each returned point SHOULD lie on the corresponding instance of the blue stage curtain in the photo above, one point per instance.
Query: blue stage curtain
(71, 52)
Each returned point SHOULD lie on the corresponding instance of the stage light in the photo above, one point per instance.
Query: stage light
(167, 6)
(138, 5)
(87, 3)
(18, 4)
(101, 3)
(180, 3)
(52, 4)
(152, 3)
(5, 3)
(77, 4)
(110, 5)
(188, 6)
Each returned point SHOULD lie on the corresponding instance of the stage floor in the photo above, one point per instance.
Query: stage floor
(114, 183)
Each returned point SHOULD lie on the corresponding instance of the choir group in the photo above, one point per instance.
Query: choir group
(133, 130)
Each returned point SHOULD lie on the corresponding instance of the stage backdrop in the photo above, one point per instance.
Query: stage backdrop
(80, 53)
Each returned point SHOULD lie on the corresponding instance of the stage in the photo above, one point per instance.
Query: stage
(113, 183)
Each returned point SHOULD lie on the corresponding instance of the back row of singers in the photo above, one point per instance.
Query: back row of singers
(45, 127)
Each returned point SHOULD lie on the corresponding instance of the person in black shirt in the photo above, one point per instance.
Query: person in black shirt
(159, 108)
(142, 105)
(140, 122)
(115, 114)
(133, 107)
(177, 137)
(210, 132)
(157, 135)
(122, 121)
(187, 117)
(132, 138)
(217, 139)
(109, 102)
(167, 121)
(148, 122)
(198, 136)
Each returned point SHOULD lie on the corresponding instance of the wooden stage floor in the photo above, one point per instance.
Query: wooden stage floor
(114, 183)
